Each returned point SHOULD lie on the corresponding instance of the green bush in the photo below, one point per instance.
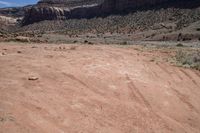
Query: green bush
(75, 41)
(190, 59)
(179, 45)
(86, 41)
(90, 43)
(198, 29)
(124, 43)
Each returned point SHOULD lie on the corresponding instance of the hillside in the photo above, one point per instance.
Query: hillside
(170, 20)
(68, 9)
(14, 11)
(161, 24)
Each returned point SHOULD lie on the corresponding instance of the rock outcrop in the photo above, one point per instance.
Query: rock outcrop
(66, 9)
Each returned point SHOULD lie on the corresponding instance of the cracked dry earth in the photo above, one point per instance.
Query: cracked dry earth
(94, 89)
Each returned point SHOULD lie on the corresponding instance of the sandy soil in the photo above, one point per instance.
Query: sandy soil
(94, 89)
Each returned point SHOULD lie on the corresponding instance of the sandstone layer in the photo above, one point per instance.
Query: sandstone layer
(54, 9)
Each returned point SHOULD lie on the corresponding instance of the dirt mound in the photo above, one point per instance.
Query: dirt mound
(107, 89)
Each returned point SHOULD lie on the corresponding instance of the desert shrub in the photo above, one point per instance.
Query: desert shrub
(179, 45)
(18, 39)
(86, 41)
(198, 29)
(75, 41)
(39, 35)
(90, 43)
(187, 39)
(191, 59)
(124, 43)
(22, 39)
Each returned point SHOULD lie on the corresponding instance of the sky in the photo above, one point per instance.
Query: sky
(14, 3)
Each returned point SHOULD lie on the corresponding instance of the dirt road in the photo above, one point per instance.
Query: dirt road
(94, 89)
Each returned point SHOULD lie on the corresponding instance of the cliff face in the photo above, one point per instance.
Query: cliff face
(39, 13)
(66, 9)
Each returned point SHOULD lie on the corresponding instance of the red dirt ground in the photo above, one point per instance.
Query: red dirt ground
(94, 89)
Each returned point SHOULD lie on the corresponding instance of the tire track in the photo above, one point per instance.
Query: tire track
(179, 76)
(164, 69)
(183, 98)
(169, 73)
(197, 73)
(137, 94)
(148, 70)
(189, 76)
(132, 87)
(84, 84)
(141, 99)
(74, 78)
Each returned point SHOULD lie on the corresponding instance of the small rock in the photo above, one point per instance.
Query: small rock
(1, 119)
(3, 53)
(33, 78)
(19, 52)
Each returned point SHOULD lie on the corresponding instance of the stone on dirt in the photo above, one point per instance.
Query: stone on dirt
(33, 78)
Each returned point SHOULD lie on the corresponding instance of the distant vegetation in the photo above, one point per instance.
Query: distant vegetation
(188, 59)
(138, 21)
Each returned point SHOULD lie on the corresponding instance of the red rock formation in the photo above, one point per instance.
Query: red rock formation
(65, 9)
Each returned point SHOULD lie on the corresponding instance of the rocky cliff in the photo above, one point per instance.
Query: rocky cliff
(66, 9)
